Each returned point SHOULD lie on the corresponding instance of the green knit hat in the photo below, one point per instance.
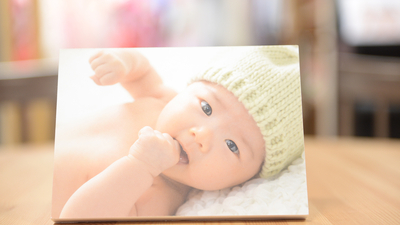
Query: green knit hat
(266, 79)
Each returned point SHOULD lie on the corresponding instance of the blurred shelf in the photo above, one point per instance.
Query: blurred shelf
(28, 95)
(28, 68)
(372, 82)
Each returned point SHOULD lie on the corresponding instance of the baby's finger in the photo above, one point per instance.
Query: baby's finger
(99, 75)
(96, 63)
(95, 56)
(145, 130)
(158, 133)
(167, 137)
(102, 69)
(96, 79)
(172, 141)
(108, 79)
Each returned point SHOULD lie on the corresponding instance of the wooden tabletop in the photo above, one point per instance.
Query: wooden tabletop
(350, 181)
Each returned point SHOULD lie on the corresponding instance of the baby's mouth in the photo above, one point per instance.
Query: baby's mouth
(183, 157)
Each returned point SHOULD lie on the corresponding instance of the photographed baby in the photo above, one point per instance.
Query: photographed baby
(238, 119)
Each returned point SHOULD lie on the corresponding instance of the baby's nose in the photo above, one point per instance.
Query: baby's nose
(202, 136)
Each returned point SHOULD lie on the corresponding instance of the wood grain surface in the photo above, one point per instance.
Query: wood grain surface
(350, 181)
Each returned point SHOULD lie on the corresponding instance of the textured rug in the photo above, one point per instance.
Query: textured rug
(282, 194)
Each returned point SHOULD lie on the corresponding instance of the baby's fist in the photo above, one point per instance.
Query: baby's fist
(157, 150)
(108, 68)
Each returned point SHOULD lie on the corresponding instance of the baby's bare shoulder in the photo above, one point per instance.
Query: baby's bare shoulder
(142, 112)
(147, 103)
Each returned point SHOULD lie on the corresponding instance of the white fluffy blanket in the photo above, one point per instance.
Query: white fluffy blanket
(283, 194)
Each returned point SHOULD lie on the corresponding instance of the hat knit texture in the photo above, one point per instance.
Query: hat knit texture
(266, 79)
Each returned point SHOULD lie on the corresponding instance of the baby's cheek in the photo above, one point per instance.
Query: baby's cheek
(218, 171)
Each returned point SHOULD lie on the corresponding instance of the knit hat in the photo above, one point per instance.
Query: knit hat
(266, 79)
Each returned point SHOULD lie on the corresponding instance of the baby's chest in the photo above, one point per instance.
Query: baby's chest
(126, 120)
(116, 131)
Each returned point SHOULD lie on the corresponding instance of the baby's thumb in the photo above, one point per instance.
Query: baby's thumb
(95, 79)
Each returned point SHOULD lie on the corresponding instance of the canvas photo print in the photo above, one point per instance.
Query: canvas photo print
(179, 133)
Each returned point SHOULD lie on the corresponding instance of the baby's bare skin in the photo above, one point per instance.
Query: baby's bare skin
(99, 141)
(87, 147)
(119, 163)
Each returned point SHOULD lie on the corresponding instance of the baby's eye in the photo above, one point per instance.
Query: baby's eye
(232, 146)
(206, 108)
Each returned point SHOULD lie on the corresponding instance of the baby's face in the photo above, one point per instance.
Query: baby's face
(222, 145)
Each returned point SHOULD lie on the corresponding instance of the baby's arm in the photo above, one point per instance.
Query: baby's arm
(132, 70)
(114, 192)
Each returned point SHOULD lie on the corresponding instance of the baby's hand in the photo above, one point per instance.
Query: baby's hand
(157, 150)
(109, 68)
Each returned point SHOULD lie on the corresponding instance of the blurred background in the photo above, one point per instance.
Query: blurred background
(349, 52)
